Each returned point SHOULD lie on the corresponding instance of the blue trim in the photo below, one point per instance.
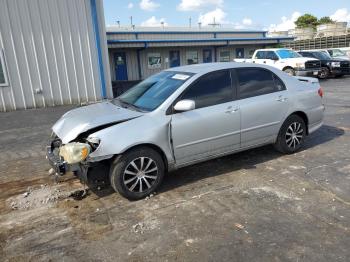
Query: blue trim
(183, 32)
(197, 40)
(98, 47)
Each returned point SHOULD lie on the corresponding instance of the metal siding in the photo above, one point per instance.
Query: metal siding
(50, 46)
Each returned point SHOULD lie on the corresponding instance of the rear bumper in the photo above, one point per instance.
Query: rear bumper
(340, 71)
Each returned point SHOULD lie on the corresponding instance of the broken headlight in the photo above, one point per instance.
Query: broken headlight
(75, 152)
(94, 142)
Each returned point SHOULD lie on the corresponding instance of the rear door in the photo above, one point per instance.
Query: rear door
(263, 102)
(213, 127)
(260, 57)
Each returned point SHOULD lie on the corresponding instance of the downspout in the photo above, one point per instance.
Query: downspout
(139, 60)
(98, 47)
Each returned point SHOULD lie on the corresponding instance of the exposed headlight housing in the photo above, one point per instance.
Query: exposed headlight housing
(300, 65)
(75, 152)
(94, 142)
(335, 64)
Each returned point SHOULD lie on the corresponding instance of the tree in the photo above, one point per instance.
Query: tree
(306, 20)
(325, 20)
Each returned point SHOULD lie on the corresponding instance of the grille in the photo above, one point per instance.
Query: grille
(312, 64)
(345, 64)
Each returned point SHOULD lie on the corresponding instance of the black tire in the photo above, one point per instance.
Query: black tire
(324, 73)
(339, 76)
(122, 167)
(284, 142)
(290, 71)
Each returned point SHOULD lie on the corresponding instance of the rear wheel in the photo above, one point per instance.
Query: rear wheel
(291, 135)
(137, 173)
(324, 73)
(289, 71)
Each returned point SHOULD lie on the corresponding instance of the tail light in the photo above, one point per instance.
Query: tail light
(320, 92)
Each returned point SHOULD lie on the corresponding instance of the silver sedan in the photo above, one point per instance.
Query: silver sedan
(183, 116)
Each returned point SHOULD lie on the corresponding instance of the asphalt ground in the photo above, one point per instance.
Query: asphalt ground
(257, 205)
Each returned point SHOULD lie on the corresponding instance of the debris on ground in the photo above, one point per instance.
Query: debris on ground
(139, 228)
(43, 196)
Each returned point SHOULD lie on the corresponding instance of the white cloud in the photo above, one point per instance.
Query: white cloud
(247, 21)
(190, 5)
(130, 5)
(286, 23)
(341, 15)
(153, 22)
(208, 18)
(148, 5)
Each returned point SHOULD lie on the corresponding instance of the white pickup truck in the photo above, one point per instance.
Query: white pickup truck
(286, 60)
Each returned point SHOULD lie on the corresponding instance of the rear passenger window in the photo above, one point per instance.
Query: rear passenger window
(260, 55)
(257, 81)
(211, 89)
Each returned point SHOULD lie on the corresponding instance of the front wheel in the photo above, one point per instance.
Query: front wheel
(324, 73)
(289, 71)
(137, 173)
(291, 135)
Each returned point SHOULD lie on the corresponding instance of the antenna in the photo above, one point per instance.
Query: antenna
(200, 25)
(214, 24)
(118, 23)
(190, 21)
(131, 24)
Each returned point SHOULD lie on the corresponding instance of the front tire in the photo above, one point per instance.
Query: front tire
(137, 173)
(289, 71)
(324, 73)
(291, 135)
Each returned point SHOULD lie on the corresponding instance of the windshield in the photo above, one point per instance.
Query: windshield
(322, 55)
(286, 53)
(153, 91)
(336, 52)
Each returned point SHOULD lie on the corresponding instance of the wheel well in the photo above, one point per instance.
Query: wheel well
(155, 148)
(304, 117)
(287, 67)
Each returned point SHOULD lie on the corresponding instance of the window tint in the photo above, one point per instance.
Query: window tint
(3, 80)
(211, 89)
(256, 81)
(271, 55)
(260, 55)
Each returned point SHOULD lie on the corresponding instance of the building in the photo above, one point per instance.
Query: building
(136, 53)
(52, 53)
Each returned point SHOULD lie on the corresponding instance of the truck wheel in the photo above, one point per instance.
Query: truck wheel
(291, 135)
(289, 71)
(137, 173)
(324, 73)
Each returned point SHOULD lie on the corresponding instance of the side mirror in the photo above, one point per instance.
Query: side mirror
(185, 105)
(275, 58)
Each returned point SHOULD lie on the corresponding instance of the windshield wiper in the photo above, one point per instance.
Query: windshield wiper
(127, 104)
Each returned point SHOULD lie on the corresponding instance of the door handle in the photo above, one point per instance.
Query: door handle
(231, 110)
(281, 99)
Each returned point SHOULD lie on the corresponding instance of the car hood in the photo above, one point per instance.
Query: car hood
(82, 119)
(300, 59)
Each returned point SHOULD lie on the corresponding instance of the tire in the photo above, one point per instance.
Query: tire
(289, 71)
(339, 76)
(291, 135)
(137, 173)
(324, 73)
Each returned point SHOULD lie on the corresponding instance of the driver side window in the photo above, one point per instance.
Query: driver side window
(211, 89)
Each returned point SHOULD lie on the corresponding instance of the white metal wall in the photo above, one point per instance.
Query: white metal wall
(50, 53)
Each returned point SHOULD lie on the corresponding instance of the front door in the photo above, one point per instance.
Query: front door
(174, 58)
(263, 105)
(207, 56)
(213, 127)
(121, 72)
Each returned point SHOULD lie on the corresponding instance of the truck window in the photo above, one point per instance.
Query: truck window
(260, 55)
(286, 53)
(271, 55)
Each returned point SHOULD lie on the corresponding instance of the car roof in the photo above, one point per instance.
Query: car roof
(209, 67)
(273, 49)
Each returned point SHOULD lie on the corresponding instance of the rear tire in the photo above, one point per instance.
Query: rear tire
(291, 135)
(137, 173)
(289, 71)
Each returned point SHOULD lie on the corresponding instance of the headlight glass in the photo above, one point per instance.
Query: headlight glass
(300, 65)
(336, 64)
(75, 152)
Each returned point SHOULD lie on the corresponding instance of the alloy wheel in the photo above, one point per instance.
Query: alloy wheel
(140, 174)
(294, 135)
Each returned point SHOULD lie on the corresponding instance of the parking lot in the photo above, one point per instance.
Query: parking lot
(256, 205)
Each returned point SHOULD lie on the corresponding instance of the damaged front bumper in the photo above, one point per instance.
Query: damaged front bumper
(58, 164)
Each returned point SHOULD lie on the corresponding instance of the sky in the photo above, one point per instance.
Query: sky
(272, 15)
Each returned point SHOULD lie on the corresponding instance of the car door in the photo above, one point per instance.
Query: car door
(263, 103)
(260, 57)
(213, 127)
